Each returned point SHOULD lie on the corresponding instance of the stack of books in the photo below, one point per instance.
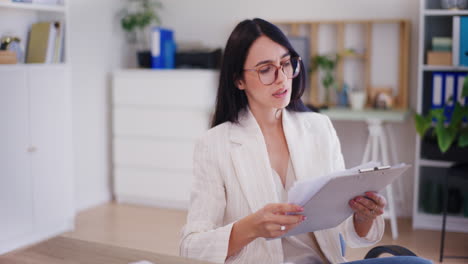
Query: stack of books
(45, 43)
(7, 57)
(451, 51)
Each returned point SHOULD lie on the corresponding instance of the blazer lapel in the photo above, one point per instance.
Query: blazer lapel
(251, 163)
(303, 144)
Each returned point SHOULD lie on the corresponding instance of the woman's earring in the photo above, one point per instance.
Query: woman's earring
(239, 85)
(278, 113)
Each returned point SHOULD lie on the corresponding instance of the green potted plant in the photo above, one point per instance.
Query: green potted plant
(326, 63)
(446, 132)
(136, 19)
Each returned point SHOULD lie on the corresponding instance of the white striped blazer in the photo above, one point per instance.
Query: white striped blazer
(233, 178)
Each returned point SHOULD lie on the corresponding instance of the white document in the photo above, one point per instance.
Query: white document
(326, 199)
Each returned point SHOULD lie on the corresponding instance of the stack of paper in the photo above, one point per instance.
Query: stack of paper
(326, 199)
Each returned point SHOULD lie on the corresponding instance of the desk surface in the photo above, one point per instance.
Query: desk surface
(65, 250)
(346, 114)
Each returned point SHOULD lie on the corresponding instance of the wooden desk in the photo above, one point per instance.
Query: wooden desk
(63, 250)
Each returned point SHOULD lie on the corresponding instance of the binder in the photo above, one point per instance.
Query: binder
(463, 59)
(438, 90)
(41, 43)
(325, 199)
(449, 89)
(450, 95)
(162, 48)
(459, 85)
(460, 81)
(58, 44)
(456, 41)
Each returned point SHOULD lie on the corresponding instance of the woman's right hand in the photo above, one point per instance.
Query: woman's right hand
(271, 221)
(275, 220)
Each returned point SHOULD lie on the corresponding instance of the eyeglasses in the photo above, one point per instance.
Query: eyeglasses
(269, 73)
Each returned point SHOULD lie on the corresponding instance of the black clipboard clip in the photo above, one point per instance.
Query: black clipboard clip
(374, 169)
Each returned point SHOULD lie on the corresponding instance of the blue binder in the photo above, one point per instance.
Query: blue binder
(460, 81)
(438, 90)
(464, 41)
(459, 84)
(162, 48)
(444, 92)
(450, 92)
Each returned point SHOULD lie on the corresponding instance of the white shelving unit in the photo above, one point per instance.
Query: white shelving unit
(36, 7)
(433, 22)
(36, 157)
(16, 20)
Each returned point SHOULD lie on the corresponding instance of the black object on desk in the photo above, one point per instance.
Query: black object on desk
(202, 59)
(458, 172)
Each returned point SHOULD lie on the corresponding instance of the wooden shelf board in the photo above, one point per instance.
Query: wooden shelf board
(435, 163)
(444, 68)
(350, 21)
(37, 7)
(434, 222)
(442, 12)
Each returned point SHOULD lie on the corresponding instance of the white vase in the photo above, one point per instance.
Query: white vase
(357, 99)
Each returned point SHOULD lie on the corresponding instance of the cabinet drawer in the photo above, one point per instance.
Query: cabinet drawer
(160, 123)
(153, 184)
(187, 89)
(153, 153)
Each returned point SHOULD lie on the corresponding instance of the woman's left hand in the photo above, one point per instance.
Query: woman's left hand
(367, 208)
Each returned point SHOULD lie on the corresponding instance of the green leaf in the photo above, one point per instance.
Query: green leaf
(463, 139)
(457, 116)
(465, 87)
(422, 123)
(438, 114)
(445, 136)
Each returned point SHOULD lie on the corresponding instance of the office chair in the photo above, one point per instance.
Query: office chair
(379, 250)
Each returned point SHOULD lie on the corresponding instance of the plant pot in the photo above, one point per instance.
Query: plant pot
(144, 59)
(430, 150)
(431, 197)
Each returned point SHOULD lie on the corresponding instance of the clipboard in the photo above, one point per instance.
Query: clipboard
(325, 200)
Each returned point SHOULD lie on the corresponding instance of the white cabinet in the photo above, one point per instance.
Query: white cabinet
(16, 194)
(157, 118)
(36, 176)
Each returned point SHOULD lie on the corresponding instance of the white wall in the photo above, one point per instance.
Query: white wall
(95, 51)
(209, 22)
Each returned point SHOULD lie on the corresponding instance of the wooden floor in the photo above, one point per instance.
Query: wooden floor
(157, 230)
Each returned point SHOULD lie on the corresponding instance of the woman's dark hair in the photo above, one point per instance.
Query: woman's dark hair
(231, 100)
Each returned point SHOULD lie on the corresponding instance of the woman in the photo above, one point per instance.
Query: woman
(262, 139)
